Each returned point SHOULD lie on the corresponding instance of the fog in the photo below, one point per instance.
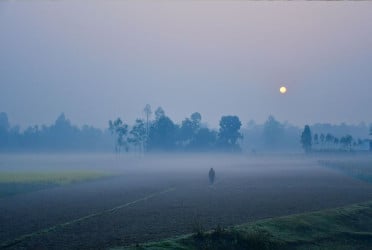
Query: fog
(167, 193)
(126, 122)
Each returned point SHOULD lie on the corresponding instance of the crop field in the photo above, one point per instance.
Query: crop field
(124, 200)
(12, 183)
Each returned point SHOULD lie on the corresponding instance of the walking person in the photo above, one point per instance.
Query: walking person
(211, 175)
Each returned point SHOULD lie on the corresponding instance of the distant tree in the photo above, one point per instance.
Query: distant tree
(329, 138)
(229, 132)
(316, 139)
(4, 122)
(306, 139)
(322, 138)
(162, 133)
(120, 130)
(148, 113)
(159, 113)
(272, 133)
(196, 118)
(4, 129)
(138, 134)
(205, 139)
(347, 141)
(370, 138)
(188, 130)
(336, 141)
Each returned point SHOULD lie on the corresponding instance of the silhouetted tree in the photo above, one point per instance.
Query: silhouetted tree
(196, 119)
(4, 129)
(4, 122)
(148, 113)
(336, 141)
(329, 139)
(138, 134)
(370, 138)
(120, 130)
(205, 139)
(272, 133)
(162, 132)
(346, 141)
(229, 132)
(306, 139)
(322, 138)
(159, 113)
(188, 130)
(316, 139)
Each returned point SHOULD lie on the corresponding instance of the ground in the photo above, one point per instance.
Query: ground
(155, 197)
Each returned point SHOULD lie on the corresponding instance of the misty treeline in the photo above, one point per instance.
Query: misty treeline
(158, 132)
(327, 142)
(60, 136)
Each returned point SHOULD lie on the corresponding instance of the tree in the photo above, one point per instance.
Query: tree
(138, 134)
(196, 118)
(162, 133)
(306, 139)
(159, 113)
(322, 138)
(329, 139)
(347, 141)
(189, 128)
(336, 141)
(205, 139)
(316, 139)
(4, 122)
(186, 132)
(229, 132)
(4, 129)
(272, 133)
(148, 113)
(120, 130)
(370, 138)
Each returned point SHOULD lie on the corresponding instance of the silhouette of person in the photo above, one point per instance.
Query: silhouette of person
(211, 175)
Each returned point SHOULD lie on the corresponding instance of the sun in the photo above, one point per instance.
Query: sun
(283, 90)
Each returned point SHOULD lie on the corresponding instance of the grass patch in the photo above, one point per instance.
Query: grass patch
(12, 183)
(342, 228)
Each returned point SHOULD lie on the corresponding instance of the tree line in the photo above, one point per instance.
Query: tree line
(157, 132)
(59, 136)
(324, 142)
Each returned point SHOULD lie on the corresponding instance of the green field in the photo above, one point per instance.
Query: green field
(16, 182)
(342, 228)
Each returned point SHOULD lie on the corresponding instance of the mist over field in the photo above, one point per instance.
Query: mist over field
(185, 125)
(133, 199)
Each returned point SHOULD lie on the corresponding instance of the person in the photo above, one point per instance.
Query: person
(212, 175)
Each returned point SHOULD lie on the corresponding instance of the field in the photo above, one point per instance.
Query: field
(348, 227)
(156, 197)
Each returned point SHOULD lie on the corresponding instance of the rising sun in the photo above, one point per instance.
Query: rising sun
(283, 90)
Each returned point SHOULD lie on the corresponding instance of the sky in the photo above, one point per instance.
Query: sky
(97, 60)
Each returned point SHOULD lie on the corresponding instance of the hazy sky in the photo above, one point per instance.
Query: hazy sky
(99, 60)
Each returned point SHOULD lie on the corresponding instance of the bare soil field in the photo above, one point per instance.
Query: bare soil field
(156, 197)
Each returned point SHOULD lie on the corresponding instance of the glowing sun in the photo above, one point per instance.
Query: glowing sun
(283, 90)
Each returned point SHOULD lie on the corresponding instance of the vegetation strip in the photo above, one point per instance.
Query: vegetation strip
(107, 211)
(348, 227)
